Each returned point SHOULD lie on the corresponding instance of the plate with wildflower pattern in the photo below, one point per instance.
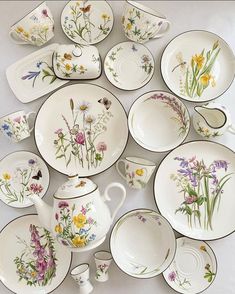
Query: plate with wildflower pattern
(142, 243)
(22, 174)
(33, 76)
(194, 267)
(198, 66)
(81, 137)
(158, 121)
(87, 22)
(31, 261)
(129, 65)
(194, 187)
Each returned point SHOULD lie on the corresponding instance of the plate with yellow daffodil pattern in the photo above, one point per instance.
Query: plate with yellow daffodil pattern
(87, 22)
(198, 66)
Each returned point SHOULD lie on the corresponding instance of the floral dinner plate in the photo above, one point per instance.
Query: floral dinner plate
(87, 22)
(198, 66)
(194, 189)
(129, 65)
(81, 128)
(31, 262)
(22, 174)
(194, 267)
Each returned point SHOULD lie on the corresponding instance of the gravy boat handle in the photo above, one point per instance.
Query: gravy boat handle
(231, 129)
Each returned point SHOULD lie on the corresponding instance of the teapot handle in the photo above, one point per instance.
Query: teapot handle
(123, 197)
(231, 129)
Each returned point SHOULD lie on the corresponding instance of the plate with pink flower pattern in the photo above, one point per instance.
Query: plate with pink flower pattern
(22, 174)
(194, 189)
(31, 262)
(194, 267)
(87, 132)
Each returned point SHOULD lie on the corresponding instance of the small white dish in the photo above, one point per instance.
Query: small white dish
(204, 55)
(194, 267)
(22, 174)
(103, 260)
(129, 65)
(32, 76)
(87, 22)
(158, 121)
(81, 275)
(30, 261)
(142, 243)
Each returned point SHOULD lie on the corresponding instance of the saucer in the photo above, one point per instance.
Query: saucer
(87, 22)
(129, 65)
(158, 121)
(194, 267)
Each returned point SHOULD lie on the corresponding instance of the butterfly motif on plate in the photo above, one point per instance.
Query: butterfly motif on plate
(134, 49)
(181, 63)
(37, 176)
(106, 102)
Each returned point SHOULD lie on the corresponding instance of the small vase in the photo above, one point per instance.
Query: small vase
(103, 260)
(81, 275)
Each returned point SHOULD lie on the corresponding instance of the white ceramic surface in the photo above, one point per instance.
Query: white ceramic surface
(22, 173)
(194, 267)
(141, 23)
(81, 136)
(32, 76)
(35, 28)
(30, 261)
(194, 187)
(129, 65)
(87, 22)
(204, 55)
(103, 260)
(142, 243)
(81, 275)
(158, 121)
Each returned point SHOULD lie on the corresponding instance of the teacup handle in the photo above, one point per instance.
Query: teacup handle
(107, 197)
(168, 25)
(117, 168)
(231, 129)
(27, 118)
(15, 38)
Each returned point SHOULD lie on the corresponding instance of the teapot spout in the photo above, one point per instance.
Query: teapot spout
(44, 211)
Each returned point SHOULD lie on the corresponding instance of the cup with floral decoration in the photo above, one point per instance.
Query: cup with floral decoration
(15, 126)
(136, 171)
(81, 275)
(103, 260)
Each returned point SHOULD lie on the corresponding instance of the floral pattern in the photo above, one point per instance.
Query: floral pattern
(23, 182)
(36, 265)
(136, 176)
(15, 128)
(79, 24)
(202, 187)
(209, 273)
(180, 117)
(182, 282)
(79, 141)
(73, 228)
(101, 270)
(196, 77)
(207, 133)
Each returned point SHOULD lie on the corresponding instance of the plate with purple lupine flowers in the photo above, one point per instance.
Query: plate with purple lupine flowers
(194, 187)
(31, 262)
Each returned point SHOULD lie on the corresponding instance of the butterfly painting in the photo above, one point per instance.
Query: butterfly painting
(106, 102)
(37, 176)
(134, 49)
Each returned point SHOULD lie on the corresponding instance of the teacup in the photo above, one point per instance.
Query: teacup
(137, 171)
(36, 28)
(81, 275)
(141, 23)
(15, 126)
(103, 260)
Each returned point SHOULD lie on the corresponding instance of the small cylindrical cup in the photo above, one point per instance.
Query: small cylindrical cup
(81, 275)
(103, 260)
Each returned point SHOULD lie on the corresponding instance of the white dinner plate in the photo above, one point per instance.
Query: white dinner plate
(22, 173)
(194, 189)
(194, 267)
(142, 243)
(31, 262)
(81, 128)
(129, 65)
(158, 121)
(198, 66)
(87, 22)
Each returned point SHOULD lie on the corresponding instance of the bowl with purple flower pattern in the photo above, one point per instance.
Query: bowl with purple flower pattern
(194, 187)
(142, 243)
(30, 260)
(194, 267)
(158, 121)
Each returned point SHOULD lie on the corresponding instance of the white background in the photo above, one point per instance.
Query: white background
(218, 17)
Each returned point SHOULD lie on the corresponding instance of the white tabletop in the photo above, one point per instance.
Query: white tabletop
(218, 17)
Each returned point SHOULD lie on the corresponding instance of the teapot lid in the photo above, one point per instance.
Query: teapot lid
(75, 187)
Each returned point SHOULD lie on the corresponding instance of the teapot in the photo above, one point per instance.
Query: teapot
(79, 218)
(212, 120)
